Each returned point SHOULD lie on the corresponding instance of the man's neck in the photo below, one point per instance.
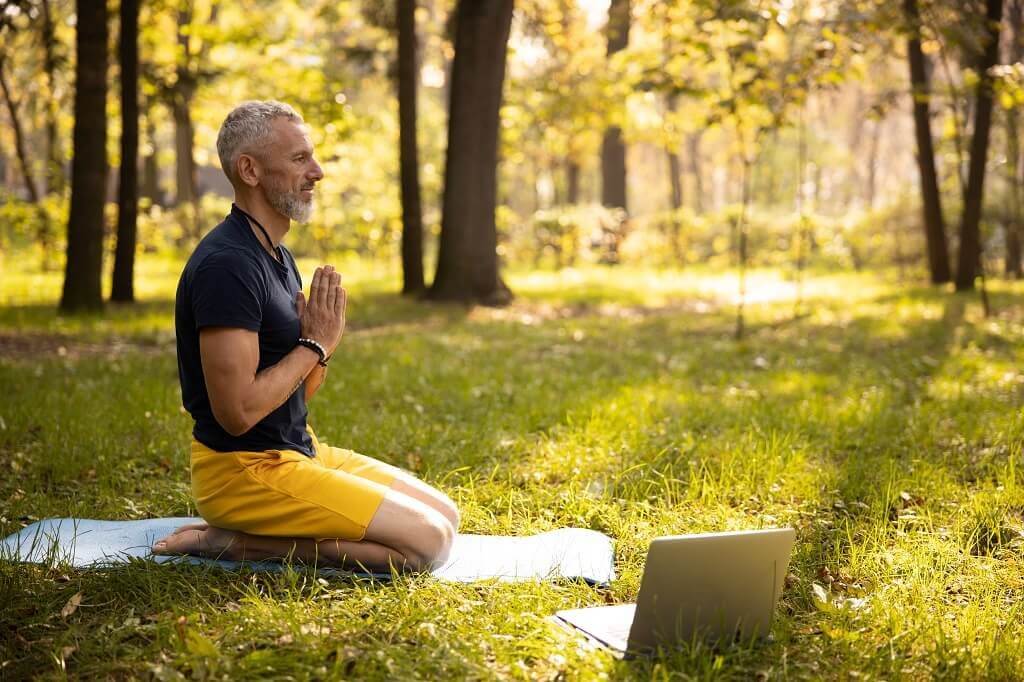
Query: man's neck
(273, 222)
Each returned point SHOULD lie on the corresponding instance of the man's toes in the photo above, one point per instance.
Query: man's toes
(184, 541)
(178, 543)
(201, 541)
(160, 546)
(174, 543)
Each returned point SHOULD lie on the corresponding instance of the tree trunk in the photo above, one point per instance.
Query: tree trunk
(613, 150)
(412, 217)
(675, 182)
(185, 165)
(800, 236)
(613, 169)
(970, 227)
(693, 142)
(150, 170)
(186, 180)
(550, 174)
(740, 227)
(55, 166)
(872, 165)
(128, 191)
(572, 182)
(674, 167)
(934, 229)
(467, 264)
(1013, 252)
(676, 186)
(19, 136)
(44, 233)
(1012, 264)
(82, 286)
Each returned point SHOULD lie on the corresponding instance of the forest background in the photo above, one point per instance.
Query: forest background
(715, 133)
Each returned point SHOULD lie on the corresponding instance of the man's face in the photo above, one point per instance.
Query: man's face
(290, 171)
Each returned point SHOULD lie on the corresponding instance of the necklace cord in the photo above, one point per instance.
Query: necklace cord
(262, 229)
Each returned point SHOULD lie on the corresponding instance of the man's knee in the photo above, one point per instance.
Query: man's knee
(418, 531)
(430, 496)
(429, 543)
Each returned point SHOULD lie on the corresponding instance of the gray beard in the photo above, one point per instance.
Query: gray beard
(291, 205)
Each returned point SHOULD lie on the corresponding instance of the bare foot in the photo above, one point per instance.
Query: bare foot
(202, 539)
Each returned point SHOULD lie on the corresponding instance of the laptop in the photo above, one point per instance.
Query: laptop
(716, 587)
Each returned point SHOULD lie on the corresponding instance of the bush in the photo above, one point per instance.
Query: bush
(562, 236)
(25, 226)
(886, 236)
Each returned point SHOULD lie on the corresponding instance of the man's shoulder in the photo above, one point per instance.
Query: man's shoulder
(221, 247)
(227, 256)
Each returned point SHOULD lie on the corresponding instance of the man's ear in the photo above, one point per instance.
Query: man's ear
(248, 170)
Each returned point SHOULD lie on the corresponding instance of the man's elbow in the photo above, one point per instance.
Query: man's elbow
(235, 422)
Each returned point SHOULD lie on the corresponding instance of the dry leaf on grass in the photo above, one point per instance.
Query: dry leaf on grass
(72, 605)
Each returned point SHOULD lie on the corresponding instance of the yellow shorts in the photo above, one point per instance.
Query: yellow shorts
(284, 493)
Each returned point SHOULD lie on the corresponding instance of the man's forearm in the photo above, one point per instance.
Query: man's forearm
(274, 385)
(314, 380)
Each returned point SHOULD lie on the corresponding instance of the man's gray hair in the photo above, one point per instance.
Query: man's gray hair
(248, 128)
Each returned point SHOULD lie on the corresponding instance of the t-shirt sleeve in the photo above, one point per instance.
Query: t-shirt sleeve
(228, 291)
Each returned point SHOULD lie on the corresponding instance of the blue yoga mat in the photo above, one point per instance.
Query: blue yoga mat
(575, 553)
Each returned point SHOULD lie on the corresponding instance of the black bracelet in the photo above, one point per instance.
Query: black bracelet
(317, 348)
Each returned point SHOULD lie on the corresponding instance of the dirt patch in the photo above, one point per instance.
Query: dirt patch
(47, 346)
(535, 313)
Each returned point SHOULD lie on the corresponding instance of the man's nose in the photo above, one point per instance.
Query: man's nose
(317, 173)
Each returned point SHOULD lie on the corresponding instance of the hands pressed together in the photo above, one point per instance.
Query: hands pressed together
(322, 317)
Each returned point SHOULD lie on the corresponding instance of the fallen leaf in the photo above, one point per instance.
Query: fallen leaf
(72, 605)
(825, 575)
(821, 596)
(855, 603)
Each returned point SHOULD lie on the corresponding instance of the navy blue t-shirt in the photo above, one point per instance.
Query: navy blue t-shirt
(231, 281)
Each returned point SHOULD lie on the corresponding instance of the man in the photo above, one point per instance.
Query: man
(252, 351)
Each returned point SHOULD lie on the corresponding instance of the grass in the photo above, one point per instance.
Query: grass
(885, 424)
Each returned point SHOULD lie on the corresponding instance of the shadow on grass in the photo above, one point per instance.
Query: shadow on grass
(143, 323)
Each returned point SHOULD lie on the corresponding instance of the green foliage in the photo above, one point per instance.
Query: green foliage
(25, 227)
(21, 221)
(748, 80)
